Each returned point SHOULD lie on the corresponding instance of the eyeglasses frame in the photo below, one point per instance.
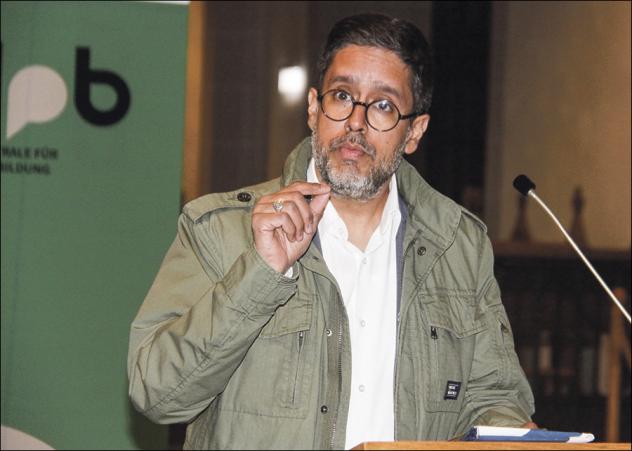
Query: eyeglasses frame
(366, 106)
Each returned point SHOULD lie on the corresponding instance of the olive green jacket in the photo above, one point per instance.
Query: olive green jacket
(256, 360)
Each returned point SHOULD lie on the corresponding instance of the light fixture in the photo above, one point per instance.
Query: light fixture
(292, 82)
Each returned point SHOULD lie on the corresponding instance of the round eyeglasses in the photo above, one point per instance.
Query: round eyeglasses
(381, 115)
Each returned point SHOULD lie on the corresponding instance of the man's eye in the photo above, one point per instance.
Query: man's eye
(384, 106)
(342, 96)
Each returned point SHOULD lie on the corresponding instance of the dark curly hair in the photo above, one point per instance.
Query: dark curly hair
(397, 35)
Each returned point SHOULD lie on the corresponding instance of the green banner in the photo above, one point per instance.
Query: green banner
(92, 134)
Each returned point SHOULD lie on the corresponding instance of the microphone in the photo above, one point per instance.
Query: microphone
(523, 184)
(527, 188)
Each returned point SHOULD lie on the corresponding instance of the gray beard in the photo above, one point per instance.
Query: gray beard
(346, 181)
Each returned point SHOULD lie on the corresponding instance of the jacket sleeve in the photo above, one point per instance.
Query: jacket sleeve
(197, 323)
(498, 392)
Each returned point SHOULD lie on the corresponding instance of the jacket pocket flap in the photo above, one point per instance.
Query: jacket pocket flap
(455, 311)
(295, 315)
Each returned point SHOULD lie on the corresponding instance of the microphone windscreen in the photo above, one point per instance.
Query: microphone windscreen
(523, 184)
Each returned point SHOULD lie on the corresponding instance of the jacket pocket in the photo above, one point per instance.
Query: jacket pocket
(291, 325)
(275, 377)
(450, 332)
(292, 385)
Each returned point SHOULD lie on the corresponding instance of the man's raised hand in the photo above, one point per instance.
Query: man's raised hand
(284, 223)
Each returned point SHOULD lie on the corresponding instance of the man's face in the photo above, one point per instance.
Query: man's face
(353, 158)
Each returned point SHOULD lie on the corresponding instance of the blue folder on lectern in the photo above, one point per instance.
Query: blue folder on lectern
(504, 434)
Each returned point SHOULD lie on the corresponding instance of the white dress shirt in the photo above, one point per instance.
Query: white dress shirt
(368, 282)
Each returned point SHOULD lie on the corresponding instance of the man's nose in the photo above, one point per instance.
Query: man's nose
(357, 121)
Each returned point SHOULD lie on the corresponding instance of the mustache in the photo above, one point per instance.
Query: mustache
(357, 139)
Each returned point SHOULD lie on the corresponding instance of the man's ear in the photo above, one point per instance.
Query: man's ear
(312, 108)
(417, 130)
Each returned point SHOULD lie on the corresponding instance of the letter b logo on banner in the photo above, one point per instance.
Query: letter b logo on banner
(38, 94)
(84, 77)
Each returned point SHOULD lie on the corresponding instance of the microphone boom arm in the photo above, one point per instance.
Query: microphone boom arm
(580, 253)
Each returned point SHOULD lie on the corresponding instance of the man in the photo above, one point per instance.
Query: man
(346, 301)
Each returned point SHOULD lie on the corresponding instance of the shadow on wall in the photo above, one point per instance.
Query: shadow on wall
(146, 435)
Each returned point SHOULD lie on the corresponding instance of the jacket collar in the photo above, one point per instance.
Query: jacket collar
(429, 212)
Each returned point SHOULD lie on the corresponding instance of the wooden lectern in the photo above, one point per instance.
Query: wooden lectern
(458, 445)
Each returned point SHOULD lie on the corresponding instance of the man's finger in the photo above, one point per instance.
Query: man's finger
(317, 205)
(269, 222)
(293, 212)
(307, 188)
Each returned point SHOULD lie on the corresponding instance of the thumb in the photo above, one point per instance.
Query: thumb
(318, 204)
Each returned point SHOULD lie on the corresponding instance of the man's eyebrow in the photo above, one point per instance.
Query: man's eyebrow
(388, 89)
(344, 79)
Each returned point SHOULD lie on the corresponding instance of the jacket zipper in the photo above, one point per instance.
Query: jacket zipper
(333, 428)
(399, 318)
(435, 340)
(301, 336)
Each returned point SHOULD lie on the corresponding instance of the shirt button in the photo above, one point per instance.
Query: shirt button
(361, 388)
(364, 260)
(324, 409)
(328, 332)
(421, 251)
(362, 323)
(244, 197)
